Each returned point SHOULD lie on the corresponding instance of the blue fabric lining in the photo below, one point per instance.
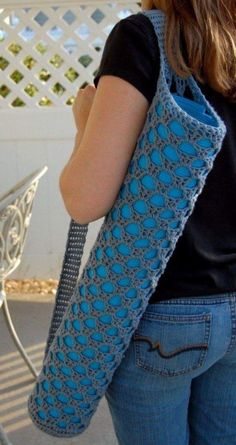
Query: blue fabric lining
(195, 109)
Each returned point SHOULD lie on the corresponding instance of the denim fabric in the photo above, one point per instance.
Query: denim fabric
(176, 384)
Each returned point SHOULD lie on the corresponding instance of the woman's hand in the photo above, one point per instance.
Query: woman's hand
(82, 106)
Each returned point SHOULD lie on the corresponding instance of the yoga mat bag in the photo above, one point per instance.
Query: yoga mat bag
(94, 317)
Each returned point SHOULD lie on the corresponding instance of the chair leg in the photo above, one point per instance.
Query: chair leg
(16, 339)
(3, 438)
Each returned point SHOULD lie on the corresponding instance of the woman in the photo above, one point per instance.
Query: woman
(173, 394)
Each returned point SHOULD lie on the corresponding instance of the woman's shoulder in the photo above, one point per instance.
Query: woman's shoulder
(142, 22)
(139, 17)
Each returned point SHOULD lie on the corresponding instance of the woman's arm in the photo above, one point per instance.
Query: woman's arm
(91, 180)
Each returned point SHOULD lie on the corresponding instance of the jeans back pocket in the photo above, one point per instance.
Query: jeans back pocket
(172, 345)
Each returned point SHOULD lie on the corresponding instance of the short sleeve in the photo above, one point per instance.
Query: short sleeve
(131, 52)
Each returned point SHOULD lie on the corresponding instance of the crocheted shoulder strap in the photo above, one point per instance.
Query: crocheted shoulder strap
(158, 20)
(168, 77)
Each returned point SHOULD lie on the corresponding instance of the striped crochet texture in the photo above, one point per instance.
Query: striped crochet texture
(95, 317)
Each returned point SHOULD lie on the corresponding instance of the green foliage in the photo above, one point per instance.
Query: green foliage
(29, 62)
(16, 76)
(41, 47)
(56, 61)
(85, 60)
(44, 75)
(58, 89)
(45, 102)
(15, 48)
(18, 103)
(31, 89)
(3, 63)
(71, 74)
(4, 91)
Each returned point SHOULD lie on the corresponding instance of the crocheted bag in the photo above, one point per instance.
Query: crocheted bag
(95, 317)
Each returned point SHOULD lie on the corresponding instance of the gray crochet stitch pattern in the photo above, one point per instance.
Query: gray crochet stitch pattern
(96, 316)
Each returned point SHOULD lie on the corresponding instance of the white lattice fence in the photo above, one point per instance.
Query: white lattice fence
(48, 52)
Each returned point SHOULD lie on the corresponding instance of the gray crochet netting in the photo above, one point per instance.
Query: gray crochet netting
(95, 316)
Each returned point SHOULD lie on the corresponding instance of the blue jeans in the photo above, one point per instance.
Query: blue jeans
(176, 384)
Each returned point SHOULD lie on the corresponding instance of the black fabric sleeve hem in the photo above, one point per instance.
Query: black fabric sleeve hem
(136, 82)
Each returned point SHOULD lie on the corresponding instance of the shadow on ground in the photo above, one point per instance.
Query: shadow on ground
(32, 319)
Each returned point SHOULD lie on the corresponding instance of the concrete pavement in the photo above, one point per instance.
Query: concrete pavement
(31, 315)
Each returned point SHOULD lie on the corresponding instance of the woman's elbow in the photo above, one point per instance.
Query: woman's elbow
(75, 213)
(79, 209)
(69, 202)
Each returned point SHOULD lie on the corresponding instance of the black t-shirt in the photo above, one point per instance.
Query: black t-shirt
(204, 259)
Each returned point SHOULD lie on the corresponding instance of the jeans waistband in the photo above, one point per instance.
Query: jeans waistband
(202, 299)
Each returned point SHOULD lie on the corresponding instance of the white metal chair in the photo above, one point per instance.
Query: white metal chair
(15, 214)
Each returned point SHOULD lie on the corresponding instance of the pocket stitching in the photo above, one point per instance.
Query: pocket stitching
(176, 318)
(207, 318)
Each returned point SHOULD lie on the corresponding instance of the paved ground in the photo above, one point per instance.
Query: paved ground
(31, 316)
